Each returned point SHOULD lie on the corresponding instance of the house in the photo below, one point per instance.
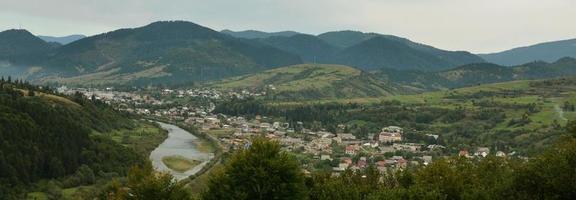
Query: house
(402, 163)
(427, 159)
(464, 153)
(350, 150)
(386, 149)
(381, 165)
(362, 163)
(325, 157)
(346, 136)
(482, 151)
(346, 160)
(390, 134)
(500, 154)
(411, 147)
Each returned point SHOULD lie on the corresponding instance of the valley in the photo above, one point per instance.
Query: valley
(177, 110)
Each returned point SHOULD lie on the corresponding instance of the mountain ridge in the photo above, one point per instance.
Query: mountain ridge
(546, 51)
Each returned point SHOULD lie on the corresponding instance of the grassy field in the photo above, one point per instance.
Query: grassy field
(292, 78)
(312, 81)
(143, 138)
(179, 163)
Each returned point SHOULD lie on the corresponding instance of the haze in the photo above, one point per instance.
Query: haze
(473, 25)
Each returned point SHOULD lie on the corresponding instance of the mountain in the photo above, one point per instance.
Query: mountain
(479, 73)
(548, 52)
(344, 39)
(313, 81)
(21, 47)
(252, 34)
(399, 53)
(369, 51)
(163, 52)
(310, 48)
(62, 40)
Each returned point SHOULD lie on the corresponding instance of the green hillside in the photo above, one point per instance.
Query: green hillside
(310, 48)
(20, 47)
(47, 136)
(521, 116)
(479, 73)
(547, 52)
(163, 52)
(313, 81)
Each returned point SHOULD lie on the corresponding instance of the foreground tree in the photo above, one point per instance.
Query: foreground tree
(145, 184)
(261, 171)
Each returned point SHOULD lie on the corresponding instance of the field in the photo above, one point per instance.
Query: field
(311, 81)
(143, 138)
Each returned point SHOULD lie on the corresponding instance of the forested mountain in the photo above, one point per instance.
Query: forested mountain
(253, 34)
(480, 73)
(369, 51)
(397, 53)
(183, 52)
(62, 40)
(45, 135)
(310, 48)
(344, 39)
(314, 81)
(20, 47)
(174, 51)
(547, 52)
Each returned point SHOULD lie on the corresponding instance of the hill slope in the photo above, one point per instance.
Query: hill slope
(399, 53)
(548, 52)
(62, 40)
(313, 81)
(21, 47)
(165, 52)
(310, 48)
(47, 136)
(369, 51)
(344, 39)
(253, 34)
(480, 73)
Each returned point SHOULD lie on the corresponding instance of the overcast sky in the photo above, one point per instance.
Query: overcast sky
(473, 25)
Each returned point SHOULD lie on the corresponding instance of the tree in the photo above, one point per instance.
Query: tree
(261, 171)
(146, 184)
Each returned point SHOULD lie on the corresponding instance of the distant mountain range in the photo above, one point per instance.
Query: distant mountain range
(253, 34)
(163, 52)
(479, 73)
(62, 40)
(369, 51)
(548, 52)
(179, 52)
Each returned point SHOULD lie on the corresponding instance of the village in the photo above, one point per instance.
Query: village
(336, 152)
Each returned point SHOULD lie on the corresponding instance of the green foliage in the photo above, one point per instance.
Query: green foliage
(169, 52)
(261, 171)
(145, 184)
(550, 175)
(313, 81)
(48, 136)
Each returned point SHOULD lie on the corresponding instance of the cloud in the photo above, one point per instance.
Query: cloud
(480, 26)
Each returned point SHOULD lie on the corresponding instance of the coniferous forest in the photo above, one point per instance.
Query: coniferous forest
(47, 136)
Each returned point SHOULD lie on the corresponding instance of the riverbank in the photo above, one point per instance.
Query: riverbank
(179, 143)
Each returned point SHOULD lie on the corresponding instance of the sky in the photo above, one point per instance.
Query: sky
(479, 26)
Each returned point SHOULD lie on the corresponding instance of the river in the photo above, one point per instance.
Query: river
(179, 143)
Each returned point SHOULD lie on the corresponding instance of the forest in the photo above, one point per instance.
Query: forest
(49, 136)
